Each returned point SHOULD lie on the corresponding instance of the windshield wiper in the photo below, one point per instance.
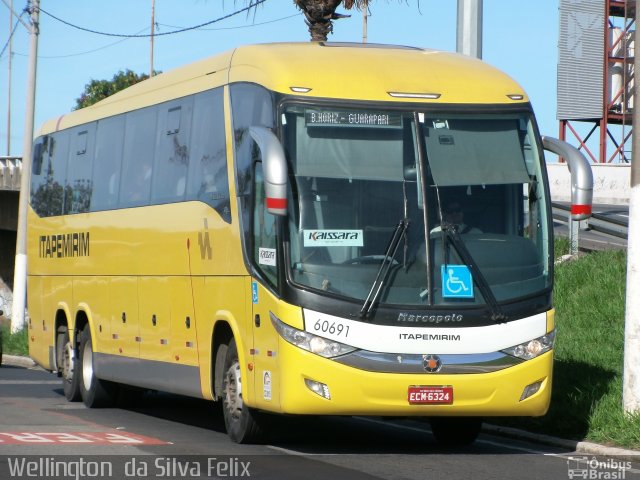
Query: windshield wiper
(451, 234)
(385, 266)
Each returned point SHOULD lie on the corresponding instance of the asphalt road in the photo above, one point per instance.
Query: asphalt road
(165, 436)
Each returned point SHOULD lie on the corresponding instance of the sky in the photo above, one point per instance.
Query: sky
(519, 37)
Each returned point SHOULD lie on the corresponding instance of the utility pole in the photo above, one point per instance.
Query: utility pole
(153, 26)
(631, 378)
(365, 15)
(9, 83)
(469, 30)
(20, 271)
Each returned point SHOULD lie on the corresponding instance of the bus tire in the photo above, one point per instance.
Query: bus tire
(68, 366)
(95, 393)
(456, 431)
(242, 422)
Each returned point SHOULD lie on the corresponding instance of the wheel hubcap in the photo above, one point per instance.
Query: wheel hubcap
(233, 390)
(87, 366)
(67, 362)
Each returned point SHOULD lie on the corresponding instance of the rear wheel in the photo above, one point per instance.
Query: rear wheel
(68, 366)
(456, 431)
(95, 393)
(242, 423)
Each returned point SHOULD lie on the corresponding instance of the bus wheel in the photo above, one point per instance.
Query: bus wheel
(240, 421)
(456, 431)
(95, 393)
(68, 366)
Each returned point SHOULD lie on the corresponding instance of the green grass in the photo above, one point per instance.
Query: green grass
(14, 344)
(586, 403)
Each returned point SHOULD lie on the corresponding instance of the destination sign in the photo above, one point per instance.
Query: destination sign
(354, 118)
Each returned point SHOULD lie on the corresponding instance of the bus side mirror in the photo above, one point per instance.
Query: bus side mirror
(581, 176)
(274, 167)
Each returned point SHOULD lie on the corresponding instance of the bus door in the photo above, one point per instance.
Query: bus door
(264, 301)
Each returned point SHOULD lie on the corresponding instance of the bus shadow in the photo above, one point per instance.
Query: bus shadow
(577, 388)
(327, 435)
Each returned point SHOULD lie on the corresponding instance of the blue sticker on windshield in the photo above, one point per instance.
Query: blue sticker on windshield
(456, 281)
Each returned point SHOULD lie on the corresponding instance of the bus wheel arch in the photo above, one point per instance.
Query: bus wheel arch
(221, 337)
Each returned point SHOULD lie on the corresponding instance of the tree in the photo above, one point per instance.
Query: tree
(97, 90)
(320, 14)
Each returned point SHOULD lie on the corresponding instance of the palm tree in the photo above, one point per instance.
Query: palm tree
(319, 14)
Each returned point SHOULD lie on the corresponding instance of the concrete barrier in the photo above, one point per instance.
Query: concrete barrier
(10, 173)
(611, 183)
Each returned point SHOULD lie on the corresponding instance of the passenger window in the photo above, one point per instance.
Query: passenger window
(38, 174)
(172, 151)
(208, 180)
(107, 163)
(137, 159)
(79, 185)
(48, 198)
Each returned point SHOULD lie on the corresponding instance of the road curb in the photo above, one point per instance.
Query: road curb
(17, 361)
(585, 448)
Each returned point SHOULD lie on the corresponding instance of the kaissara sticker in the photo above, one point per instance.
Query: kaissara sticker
(333, 238)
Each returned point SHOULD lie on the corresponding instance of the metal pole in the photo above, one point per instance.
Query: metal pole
(469, 29)
(631, 377)
(20, 272)
(153, 24)
(365, 8)
(9, 83)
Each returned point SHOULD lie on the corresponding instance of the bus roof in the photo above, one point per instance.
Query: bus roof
(363, 72)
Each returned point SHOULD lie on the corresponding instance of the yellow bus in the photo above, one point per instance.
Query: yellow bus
(315, 228)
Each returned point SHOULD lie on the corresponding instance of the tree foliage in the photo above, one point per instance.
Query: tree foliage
(320, 14)
(97, 90)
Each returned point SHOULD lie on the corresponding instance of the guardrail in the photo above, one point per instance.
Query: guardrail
(614, 227)
(10, 173)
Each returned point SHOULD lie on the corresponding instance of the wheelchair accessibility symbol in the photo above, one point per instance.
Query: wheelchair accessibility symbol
(456, 281)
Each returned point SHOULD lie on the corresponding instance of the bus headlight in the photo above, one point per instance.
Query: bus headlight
(308, 341)
(533, 348)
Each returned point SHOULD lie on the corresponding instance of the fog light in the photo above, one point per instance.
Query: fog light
(530, 390)
(318, 388)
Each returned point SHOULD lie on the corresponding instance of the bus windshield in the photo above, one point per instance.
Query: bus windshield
(416, 208)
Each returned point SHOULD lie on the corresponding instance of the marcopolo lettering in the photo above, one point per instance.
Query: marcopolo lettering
(64, 245)
(407, 317)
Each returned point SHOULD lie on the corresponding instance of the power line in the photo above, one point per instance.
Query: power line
(11, 34)
(78, 54)
(239, 26)
(252, 5)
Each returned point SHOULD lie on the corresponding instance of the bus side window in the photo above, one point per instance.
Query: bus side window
(137, 158)
(107, 163)
(47, 198)
(264, 232)
(79, 186)
(172, 155)
(38, 175)
(208, 180)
